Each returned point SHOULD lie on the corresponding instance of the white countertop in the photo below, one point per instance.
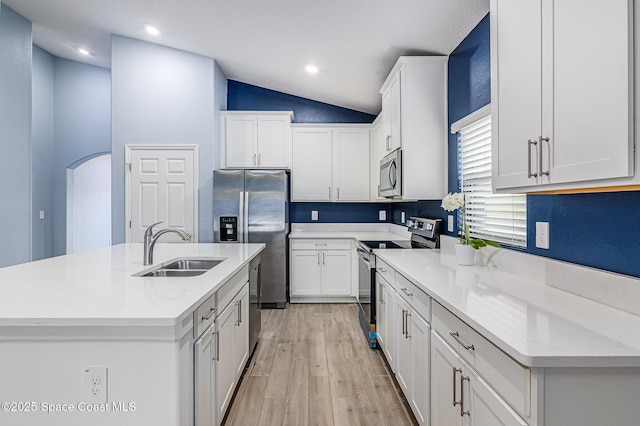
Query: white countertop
(536, 324)
(96, 287)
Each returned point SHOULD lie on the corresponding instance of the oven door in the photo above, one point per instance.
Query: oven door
(366, 295)
(391, 175)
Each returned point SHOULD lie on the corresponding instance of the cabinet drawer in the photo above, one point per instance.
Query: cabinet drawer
(229, 289)
(509, 378)
(386, 271)
(205, 315)
(418, 299)
(301, 244)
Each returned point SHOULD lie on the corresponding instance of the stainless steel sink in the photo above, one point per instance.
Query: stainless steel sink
(192, 264)
(187, 267)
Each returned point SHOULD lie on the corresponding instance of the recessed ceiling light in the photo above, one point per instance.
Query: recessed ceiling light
(84, 52)
(312, 69)
(152, 30)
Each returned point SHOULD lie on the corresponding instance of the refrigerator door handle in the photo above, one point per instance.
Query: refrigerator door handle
(241, 224)
(245, 212)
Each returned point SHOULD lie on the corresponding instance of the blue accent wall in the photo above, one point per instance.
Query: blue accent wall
(599, 230)
(246, 97)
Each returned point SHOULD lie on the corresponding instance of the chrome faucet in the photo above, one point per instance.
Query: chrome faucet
(150, 240)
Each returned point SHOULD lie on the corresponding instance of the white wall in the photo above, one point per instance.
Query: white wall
(162, 95)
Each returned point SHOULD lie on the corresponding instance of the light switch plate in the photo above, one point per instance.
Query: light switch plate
(314, 214)
(542, 235)
(41, 214)
(402, 217)
(382, 215)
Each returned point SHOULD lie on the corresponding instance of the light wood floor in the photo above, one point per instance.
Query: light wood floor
(313, 366)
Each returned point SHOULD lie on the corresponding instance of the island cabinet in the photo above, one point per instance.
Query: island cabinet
(561, 119)
(321, 270)
(222, 349)
(330, 163)
(414, 119)
(255, 139)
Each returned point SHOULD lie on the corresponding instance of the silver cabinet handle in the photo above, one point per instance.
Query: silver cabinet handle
(540, 169)
(529, 143)
(318, 258)
(323, 258)
(381, 290)
(338, 192)
(216, 339)
(462, 380)
(404, 290)
(212, 311)
(254, 160)
(259, 159)
(455, 370)
(407, 335)
(238, 313)
(456, 336)
(381, 269)
(388, 142)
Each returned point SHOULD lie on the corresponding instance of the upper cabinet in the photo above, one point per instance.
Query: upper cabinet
(562, 94)
(255, 140)
(330, 163)
(414, 118)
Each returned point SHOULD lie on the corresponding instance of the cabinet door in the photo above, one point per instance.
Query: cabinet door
(391, 119)
(205, 378)
(445, 381)
(403, 348)
(273, 141)
(516, 56)
(311, 165)
(241, 350)
(351, 164)
(389, 348)
(336, 272)
(226, 361)
(376, 146)
(386, 123)
(240, 139)
(419, 335)
(381, 319)
(306, 274)
(588, 123)
(486, 407)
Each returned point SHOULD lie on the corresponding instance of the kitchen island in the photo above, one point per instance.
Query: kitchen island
(62, 316)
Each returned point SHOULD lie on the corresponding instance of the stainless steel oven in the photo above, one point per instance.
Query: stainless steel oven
(425, 234)
(391, 175)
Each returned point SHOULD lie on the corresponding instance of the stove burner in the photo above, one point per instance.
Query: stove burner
(372, 245)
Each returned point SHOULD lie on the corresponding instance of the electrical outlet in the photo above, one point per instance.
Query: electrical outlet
(94, 385)
(314, 214)
(382, 215)
(450, 223)
(542, 235)
(41, 215)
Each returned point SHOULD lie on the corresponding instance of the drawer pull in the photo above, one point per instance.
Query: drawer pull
(381, 269)
(456, 336)
(404, 290)
(456, 370)
(211, 312)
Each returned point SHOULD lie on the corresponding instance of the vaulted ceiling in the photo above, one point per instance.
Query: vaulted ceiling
(353, 43)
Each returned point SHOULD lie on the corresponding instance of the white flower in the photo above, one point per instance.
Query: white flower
(452, 201)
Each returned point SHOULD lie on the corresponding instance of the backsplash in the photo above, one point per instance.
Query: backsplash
(338, 212)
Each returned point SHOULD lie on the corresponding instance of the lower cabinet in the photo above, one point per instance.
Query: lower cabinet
(460, 396)
(412, 358)
(385, 330)
(221, 350)
(320, 269)
(233, 348)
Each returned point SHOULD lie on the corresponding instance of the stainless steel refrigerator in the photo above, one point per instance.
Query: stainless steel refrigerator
(253, 206)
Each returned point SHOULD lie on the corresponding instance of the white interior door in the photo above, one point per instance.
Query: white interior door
(162, 185)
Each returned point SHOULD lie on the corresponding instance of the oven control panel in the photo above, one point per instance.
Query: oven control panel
(423, 226)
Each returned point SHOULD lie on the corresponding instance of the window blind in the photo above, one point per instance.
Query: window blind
(498, 217)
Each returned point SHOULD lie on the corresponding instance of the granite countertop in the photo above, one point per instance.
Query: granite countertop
(96, 287)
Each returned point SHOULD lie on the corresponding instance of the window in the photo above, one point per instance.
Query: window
(497, 217)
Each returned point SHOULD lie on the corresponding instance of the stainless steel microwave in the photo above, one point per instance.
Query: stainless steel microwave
(391, 175)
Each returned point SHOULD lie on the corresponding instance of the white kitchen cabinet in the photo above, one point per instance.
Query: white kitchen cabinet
(233, 348)
(559, 115)
(255, 139)
(414, 111)
(385, 326)
(205, 377)
(330, 163)
(321, 270)
(460, 396)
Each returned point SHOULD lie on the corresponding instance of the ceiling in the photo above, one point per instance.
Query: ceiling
(354, 43)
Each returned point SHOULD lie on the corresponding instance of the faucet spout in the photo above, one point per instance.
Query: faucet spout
(150, 240)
